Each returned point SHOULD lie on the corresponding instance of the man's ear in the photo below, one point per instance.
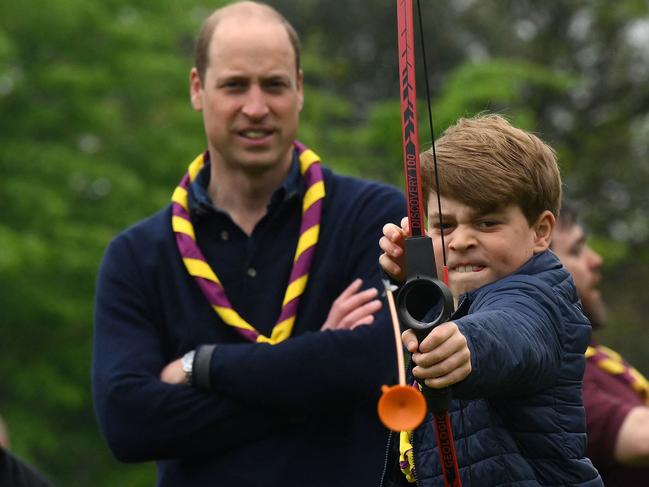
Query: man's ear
(300, 89)
(543, 228)
(196, 90)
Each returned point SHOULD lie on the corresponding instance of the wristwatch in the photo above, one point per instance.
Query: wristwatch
(188, 367)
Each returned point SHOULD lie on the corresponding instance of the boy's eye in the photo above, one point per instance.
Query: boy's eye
(484, 224)
(445, 227)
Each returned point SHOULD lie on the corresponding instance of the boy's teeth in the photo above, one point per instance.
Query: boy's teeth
(467, 268)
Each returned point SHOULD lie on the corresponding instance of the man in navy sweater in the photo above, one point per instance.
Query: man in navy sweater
(227, 340)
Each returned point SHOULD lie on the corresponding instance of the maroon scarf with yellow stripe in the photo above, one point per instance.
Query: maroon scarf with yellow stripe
(207, 279)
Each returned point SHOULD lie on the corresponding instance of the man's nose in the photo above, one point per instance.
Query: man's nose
(594, 259)
(255, 105)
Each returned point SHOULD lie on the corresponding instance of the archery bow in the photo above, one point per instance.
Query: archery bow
(422, 286)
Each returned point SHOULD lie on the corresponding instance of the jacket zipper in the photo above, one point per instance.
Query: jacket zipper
(387, 457)
(411, 436)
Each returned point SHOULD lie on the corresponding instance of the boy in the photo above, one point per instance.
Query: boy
(513, 352)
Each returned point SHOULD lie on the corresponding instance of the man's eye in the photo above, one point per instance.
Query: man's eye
(233, 85)
(276, 85)
(577, 250)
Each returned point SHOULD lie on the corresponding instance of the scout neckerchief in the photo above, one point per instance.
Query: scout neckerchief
(613, 363)
(406, 456)
(207, 280)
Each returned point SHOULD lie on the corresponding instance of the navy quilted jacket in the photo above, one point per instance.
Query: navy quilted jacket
(518, 419)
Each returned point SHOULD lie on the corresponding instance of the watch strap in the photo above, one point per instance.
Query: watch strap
(202, 362)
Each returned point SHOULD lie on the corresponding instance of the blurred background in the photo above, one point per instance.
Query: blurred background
(96, 129)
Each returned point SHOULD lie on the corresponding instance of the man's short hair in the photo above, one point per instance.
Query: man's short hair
(487, 164)
(246, 9)
(569, 214)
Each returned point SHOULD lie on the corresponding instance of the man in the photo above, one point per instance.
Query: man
(13, 471)
(227, 345)
(615, 395)
(4, 434)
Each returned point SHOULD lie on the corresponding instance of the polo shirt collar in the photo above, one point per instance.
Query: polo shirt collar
(200, 203)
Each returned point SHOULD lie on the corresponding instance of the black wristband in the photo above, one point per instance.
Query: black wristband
(201, 369)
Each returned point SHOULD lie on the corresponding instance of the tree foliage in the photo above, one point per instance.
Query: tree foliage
(96, 129)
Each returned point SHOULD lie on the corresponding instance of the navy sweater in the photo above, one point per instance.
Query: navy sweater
(302, 412)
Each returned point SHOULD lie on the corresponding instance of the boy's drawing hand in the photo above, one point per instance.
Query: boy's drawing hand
(391, 243)
(353, 308)
(443, 357)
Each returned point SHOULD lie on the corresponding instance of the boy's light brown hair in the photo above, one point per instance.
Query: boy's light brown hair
(487, 164)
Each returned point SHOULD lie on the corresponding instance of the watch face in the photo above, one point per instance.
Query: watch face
(188, 361)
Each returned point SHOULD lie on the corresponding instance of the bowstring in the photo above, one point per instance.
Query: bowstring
(432, 137)
(439, 199)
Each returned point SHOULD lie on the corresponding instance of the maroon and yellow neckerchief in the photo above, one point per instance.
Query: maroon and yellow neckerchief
(612, 362)
(206, 278)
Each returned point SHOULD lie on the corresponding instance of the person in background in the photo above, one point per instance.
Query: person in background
(4, 434)
(229, 345)
(13, 471)
(615, 394)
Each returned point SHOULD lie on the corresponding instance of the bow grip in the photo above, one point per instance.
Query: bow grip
(424, 302)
